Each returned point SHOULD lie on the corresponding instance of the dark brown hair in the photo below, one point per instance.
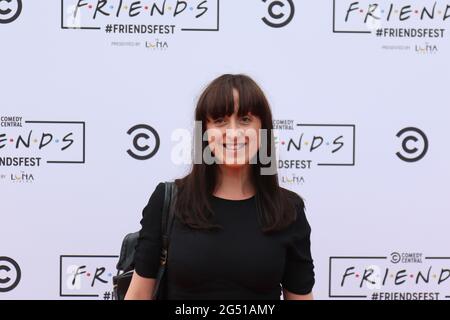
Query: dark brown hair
(275, 210)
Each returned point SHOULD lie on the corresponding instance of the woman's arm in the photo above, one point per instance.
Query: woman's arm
(148, 248)
(292, 296)
(140, 288)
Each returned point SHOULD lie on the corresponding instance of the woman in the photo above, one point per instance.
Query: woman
(237, 233)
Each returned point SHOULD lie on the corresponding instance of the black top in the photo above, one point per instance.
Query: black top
(237, 262)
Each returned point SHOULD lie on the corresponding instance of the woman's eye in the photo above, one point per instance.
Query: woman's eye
(219, 120)
(246, 119)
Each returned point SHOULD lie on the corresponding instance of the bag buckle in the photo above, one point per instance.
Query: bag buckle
(164, 256)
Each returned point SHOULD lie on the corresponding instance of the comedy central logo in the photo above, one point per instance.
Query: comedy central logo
(164, 17)
(10, 274)
(398, 276)
(10, 10)
(419, 19)
(279, 13)
(145, 142)
(414, 144)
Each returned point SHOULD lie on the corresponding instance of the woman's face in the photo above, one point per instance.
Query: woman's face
(232, 139)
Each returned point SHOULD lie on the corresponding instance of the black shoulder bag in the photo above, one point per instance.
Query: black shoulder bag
(125, 265)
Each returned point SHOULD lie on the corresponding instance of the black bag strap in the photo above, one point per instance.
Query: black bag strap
(166, 228)
(167, 218)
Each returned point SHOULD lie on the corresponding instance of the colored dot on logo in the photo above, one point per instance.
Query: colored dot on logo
(88, 274)
(191, 8)
(439, 12)
(361, 10)
(328, 143)
(391, 275)
(35, 140)
(357, 275)
(416, 12)
(306, 143)
(90, 6)
(382, 10)
(125, 7)
(282, 142)
(146, 8)
(169, 8)
(111, 7)
(56, 140)
(109, 274)
(11, 140)
(411, 276)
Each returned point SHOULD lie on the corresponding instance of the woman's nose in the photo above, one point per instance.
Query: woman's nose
(233, 132)
(234, 124)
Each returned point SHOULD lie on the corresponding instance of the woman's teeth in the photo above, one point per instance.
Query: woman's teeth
(234, 146)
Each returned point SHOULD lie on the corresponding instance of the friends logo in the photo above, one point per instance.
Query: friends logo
(402, 19)
(303, 146)
(398, 276)
(35, 143)
(87, 276)
(140, 17)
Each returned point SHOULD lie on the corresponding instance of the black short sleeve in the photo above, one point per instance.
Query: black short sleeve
(298, 274)
(148, 247)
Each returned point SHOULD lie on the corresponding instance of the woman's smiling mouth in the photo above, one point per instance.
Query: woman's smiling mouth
(233, 146)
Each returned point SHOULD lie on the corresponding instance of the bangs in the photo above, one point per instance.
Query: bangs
(217, 100)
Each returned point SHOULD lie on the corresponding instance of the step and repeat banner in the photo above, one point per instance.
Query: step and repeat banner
(95, 95)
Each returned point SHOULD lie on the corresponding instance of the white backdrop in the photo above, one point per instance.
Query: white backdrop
(379, 223)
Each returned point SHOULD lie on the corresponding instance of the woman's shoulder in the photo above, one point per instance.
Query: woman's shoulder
(301, 224)
(158, 194)
(159, 190)
(156, 198)
(294, 198)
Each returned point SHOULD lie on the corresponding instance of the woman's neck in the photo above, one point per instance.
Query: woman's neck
(234, 183)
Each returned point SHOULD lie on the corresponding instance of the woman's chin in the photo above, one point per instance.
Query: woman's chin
(234, 162)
